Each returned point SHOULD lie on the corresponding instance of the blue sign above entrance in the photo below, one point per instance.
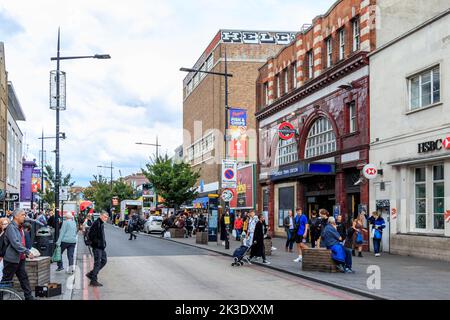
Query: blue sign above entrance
(302, 169)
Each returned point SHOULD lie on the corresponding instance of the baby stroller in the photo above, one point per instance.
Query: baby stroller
(240, 254)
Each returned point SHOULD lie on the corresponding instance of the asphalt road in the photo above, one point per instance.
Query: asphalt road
(151, 268)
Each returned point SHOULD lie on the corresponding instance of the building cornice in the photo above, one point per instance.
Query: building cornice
(353, 63)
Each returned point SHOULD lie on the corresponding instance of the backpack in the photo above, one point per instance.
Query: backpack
(3, 244)
(86, 238)
(189, 222)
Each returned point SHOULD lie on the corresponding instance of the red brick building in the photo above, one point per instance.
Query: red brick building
(319, 85)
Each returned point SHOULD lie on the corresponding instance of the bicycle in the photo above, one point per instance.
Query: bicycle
(7, 292)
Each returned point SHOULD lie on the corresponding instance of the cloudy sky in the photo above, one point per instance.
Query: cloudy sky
(111, 104)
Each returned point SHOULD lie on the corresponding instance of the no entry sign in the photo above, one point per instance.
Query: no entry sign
(229, 174)
(370, 171)
(286, 131)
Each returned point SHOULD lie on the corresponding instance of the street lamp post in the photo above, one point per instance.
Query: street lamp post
(57, 107)
(157, 156)
(225, 137)
(63, 136)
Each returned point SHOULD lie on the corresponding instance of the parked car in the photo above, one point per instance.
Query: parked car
(153, 224)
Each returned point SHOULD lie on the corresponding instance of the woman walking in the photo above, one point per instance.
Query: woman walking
(378, 225)
(258, 249)
(67, 240)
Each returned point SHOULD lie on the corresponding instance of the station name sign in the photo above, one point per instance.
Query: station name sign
(257, 37)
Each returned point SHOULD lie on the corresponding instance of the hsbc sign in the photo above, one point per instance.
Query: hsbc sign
(257, 37)
(434, 145)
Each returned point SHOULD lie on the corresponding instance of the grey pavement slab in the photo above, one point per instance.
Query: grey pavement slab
(401, 277)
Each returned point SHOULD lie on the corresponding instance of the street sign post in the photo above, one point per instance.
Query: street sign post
(229, 174)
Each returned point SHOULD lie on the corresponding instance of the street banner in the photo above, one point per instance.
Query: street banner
(228, 174)
(238, 117)
(245, 191)
(238, 149)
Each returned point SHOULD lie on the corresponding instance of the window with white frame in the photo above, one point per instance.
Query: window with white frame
(352, 117)
(310, 64)
(286, 80)
(287, 151)
(421, 197)
(356, 34)
(341, 44)
(209, 62)
(321, 139)
(201, 147)
(329, 44)
(438, 197)
(424, 88)
(294, 80)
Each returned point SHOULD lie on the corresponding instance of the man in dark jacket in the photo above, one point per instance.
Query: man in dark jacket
(98, 243)
(16, 253)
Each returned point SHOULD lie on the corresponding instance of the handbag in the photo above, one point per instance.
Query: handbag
(233, 233)
(377, 234)
(359, 238)
(56, 257)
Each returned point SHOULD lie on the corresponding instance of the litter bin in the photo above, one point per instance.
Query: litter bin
(44, 242)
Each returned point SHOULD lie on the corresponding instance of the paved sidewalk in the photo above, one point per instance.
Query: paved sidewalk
(401, 277)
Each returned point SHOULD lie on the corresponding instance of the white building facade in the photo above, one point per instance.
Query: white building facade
(410, 139)
(13, 149)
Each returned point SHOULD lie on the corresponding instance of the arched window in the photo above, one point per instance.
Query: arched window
(321, 139)
(287, 151)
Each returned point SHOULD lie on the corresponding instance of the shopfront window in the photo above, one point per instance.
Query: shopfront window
(438, 197)
(321, 139)
(285, 203)
(429, 198)
(421, 198)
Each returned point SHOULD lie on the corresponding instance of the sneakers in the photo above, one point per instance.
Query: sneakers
(60, 269)
(70, 270)
(348, 270)
(273, 248)
(340, 268)
(95, 284)
(377, 254)
(266, 262)
(299, 259)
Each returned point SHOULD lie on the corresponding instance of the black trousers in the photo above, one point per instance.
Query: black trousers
(10, 269)
(100, 260)
(132, 234)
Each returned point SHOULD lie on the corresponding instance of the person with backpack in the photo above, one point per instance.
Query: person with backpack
(4, 223)
(378, 224)
(97, 241)
(314, 227)
(133, 226)
(67, 240)
(15, 253)
(189, 226)
(201, 224)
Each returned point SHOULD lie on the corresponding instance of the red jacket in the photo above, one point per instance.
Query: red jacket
(238, 223)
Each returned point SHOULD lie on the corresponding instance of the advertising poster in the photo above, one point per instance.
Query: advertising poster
(244, 192)
(238, 118)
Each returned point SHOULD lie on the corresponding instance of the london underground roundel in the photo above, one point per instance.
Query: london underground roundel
(446, 143)
(370, 171)
(286, 131)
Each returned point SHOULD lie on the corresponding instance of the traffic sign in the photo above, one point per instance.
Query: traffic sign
(370, 171)
(227, 195)
(286, 131)
(229, 174)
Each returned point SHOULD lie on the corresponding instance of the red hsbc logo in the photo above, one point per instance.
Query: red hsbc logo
(371, 171)
(446, 143)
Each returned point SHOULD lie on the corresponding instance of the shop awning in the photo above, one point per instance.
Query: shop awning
(411, 161)
(200, 202)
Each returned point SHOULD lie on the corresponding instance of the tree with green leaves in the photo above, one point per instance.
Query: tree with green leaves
(173, 181)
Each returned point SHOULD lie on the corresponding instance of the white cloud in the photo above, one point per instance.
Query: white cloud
(111, 104)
